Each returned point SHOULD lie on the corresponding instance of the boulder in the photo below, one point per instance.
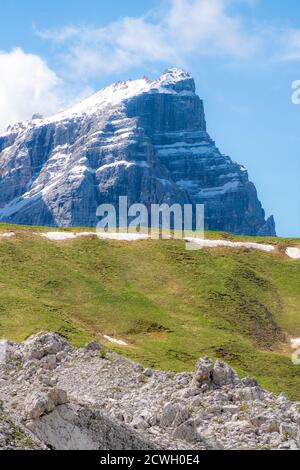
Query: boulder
(222, 374)
(283, 401)
(49, 362)
(39, 403)
(93, 346)
(43, 344)
(58, 396)
(249, 382)
(289, 430)
(140, 423)
(186, 431)
(258, 420)
(182, 416)
(47, 380)
(271, 426)
(168, 414)
(61, 355)
(203, 373)
(174, 415)
(9, 355)
(250, 393)
(148, 372)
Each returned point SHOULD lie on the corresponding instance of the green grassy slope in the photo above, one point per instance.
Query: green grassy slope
(169, 304)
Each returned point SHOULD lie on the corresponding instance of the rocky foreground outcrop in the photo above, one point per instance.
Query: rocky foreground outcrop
(56, 396)
(143, 139)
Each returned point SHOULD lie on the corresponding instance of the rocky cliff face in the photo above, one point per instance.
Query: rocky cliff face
(91, 398)
(144, 139)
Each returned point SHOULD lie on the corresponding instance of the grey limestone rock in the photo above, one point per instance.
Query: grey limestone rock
(143, 139)
(91, 402)
(93, 346)
(43, 344)
(204, 372)
(222, 374)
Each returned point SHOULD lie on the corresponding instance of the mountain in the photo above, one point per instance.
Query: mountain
(144, 139)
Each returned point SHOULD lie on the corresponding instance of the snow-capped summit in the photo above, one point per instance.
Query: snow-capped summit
(175, 74)
(171, 81)
(176, 79)
(141, 138)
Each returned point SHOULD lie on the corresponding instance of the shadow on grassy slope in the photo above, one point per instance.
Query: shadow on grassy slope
(169, 304)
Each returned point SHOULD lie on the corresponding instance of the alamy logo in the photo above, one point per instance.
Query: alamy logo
(178, 221)
(296, 93)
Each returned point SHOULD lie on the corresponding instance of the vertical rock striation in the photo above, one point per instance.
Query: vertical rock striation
(144, 139)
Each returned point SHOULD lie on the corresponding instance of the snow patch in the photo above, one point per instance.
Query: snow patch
(216, 243)
(123, 236)
(7, 235)
(61, 236)
(230, 186)
(125, 163)
(295, 343)
(187, 185)
(293, 253)
(116, 341)
(174, 149)
(58, 236)
(172, 76)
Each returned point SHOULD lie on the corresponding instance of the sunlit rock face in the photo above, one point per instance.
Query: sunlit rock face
(143, 139)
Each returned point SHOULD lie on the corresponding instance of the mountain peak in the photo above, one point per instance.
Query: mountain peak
(175, 74)
(177, 79)
(142, 138)
(173, 80)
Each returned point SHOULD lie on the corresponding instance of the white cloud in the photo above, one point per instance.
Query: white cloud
(206, 26)
(183, 28)
(27, 86)
(178, 31)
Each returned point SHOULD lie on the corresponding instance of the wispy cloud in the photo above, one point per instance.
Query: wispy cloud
(179, 30)
(291, 45)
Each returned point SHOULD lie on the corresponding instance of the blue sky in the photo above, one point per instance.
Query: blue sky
(244, 55)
